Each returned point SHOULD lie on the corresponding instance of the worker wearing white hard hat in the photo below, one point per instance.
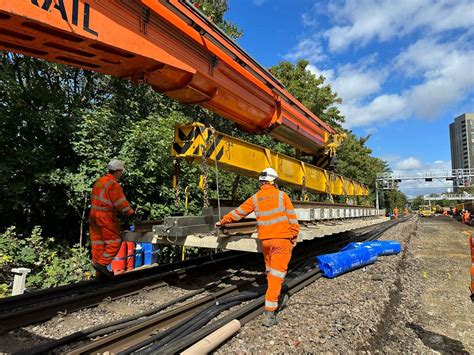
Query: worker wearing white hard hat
(107, 200)
(115, 165)
(278, 230)
(268, 175)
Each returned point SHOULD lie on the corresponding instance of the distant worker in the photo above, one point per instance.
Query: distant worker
(277, 230)
(405, 211)
(445, 212)
(395, 212)
(467, 217)
(107, 199)
(455, 211)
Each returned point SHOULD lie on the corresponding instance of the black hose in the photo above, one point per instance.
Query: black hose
(183, 328)
(119, 324)
(293, 278)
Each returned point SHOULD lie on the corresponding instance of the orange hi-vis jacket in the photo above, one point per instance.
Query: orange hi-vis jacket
(107, 196)
(467, 217)
(276, 218)
(107, 199)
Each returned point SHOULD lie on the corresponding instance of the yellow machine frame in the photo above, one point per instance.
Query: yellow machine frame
(247, 159)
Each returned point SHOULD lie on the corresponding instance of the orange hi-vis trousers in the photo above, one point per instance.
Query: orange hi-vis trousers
(277, 254)
(105, 237)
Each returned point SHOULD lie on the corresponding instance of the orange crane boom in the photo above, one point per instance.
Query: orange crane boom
(170, 45)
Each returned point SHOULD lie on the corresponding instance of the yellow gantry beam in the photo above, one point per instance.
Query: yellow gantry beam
(247, 159)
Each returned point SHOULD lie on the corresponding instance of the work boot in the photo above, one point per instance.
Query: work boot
(282, 301)
(103, 271)
(269, 319)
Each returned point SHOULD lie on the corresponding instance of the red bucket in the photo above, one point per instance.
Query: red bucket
(119, 263)
(130, 255)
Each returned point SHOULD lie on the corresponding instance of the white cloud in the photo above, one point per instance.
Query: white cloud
(408, 164)
(361, 21)
(328, 74)
(308, 19)
(382, 109)
(353, 84)
(412, 165)
(447, 76)
(309, 49)
(430, 74)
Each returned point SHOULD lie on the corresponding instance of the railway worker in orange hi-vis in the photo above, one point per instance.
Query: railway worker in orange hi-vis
(107, 199)
(278, 230)
(466, 217)
(395, 212)
(455, 211)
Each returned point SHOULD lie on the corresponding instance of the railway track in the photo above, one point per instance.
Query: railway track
(29, 308)
(169, 331)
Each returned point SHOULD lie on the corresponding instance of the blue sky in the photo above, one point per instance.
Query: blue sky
(404, 69)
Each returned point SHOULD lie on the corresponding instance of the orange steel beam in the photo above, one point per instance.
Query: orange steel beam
(171, 46)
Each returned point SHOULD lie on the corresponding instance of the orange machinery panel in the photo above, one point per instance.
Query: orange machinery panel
(170, 45)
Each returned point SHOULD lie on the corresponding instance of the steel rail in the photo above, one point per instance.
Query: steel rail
(110, 343)
(85, 286)
(37, 306)
(140, 318)
(253, 309)
(16, 312)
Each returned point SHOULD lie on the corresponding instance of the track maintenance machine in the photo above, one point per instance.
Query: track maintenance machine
(176, 49)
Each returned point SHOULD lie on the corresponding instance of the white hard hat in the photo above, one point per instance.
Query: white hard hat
(269, 174)
(116, 164)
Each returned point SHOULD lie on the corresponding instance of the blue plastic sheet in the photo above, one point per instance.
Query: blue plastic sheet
(383, 247)
(336, 264)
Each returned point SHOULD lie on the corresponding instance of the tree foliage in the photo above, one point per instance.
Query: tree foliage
(310, 90)
(354, 160)
(60, 126)
(215, 10)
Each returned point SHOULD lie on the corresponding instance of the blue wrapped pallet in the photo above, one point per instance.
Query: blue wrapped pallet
(138, 255)
(383, 247)
(336, 264)
(150, 252)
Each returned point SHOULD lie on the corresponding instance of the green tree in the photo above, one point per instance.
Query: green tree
(354, 160)
(394, 198)
(417, 202)
(310, 90)
(215, 10)
(38, 102)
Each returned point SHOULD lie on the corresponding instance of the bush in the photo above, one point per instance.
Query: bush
(51, 264)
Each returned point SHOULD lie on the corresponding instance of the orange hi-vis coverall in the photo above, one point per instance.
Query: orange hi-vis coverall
(395, 212)
(107, 199)
(466, 217)
(277, 227)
